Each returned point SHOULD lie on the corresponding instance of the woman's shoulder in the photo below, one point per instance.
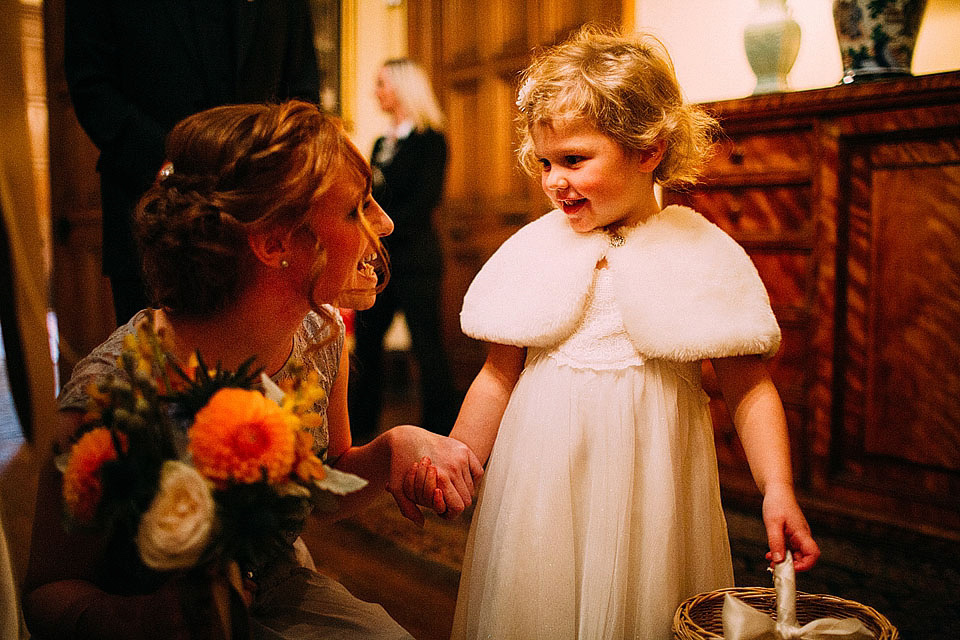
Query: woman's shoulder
(99, 362)
(326, 329)
(427, 136)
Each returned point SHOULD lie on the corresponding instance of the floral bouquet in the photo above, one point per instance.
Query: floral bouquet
(198, 466)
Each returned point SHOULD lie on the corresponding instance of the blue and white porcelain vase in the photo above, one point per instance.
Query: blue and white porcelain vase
(877, 37)
(771, 40)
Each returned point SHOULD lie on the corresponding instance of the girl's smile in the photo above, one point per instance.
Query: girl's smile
(596, 182)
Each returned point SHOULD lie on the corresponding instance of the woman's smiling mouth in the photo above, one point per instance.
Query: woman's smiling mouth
(368, 266)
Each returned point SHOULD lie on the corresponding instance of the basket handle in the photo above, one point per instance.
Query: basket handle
(743, 622)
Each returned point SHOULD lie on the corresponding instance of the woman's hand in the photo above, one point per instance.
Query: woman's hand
(787, 528)
(452, 468)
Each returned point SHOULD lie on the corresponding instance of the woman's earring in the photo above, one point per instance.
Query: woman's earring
(284, 264)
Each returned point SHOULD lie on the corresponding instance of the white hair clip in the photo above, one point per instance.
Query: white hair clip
(165, 171)
(524, 94)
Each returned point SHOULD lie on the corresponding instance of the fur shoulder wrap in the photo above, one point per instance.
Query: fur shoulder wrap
(686, 290)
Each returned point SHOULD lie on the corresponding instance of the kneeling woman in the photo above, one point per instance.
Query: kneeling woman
(259, 224)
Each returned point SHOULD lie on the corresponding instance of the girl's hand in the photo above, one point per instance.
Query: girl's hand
(420, 486)
(787, 528)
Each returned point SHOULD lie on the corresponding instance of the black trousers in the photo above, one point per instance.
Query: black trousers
(418, 297)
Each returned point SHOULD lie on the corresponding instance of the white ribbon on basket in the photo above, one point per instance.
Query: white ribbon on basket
(743, 622)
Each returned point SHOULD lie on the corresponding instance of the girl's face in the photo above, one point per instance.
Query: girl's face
(596, 182)
(386, 94)
(348, 278)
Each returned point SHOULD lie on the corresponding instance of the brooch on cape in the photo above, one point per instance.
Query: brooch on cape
(616, 240)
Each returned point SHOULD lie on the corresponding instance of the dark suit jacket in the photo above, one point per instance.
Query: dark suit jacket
(409, 188)
(136, 67)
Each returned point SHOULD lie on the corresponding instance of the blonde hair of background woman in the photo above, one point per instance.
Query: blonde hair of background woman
(414, 92)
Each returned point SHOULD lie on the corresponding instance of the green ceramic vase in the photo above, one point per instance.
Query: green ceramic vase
(771, 41)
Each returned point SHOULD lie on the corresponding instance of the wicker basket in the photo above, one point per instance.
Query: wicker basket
(700, 617)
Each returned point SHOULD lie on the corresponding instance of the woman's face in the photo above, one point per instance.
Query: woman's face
(348, 278)
(386, 94)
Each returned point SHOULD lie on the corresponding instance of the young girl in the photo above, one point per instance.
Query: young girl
(600, 509)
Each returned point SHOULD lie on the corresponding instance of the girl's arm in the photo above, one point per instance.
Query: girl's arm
(762, 426)
(384, 461)
(476, 425)
(483, 407)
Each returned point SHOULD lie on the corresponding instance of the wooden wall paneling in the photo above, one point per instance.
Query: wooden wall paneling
(422, 21)
(899, 387)
(463, 138)
(475, 50)
(824, 332)
(558, 18)
(461, 31)
(81, 294)
(461, 215)
(499, 176)
(509, 22)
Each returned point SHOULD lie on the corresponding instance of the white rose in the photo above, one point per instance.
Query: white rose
(177, 527)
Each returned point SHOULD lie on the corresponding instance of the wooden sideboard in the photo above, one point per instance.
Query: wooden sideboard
(848, 201)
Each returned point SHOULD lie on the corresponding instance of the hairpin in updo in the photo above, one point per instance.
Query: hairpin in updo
(524, 94)
(165, 171)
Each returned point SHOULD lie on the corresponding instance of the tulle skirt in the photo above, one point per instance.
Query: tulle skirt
(599, 512)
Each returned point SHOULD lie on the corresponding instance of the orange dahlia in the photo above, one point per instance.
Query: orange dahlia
(82, 486)
(242, 436)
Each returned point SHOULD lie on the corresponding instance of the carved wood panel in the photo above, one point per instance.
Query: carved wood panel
(900, 380)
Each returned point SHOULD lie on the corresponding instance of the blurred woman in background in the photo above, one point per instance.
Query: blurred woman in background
(409, 163)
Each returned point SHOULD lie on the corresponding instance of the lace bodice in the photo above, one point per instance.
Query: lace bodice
(314, 330)
(600, 340)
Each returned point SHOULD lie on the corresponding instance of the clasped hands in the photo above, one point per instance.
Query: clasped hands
(433, 471)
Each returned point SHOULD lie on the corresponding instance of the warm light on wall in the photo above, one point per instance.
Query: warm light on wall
(938, 43)
(706, 42)
(378, 31)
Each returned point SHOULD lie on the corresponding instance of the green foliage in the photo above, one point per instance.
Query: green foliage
(188, 401)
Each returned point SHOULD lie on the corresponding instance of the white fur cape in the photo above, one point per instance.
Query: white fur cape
(686, 290)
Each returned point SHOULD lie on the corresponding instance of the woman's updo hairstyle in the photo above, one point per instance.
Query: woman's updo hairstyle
(626, 87)
(235, 169)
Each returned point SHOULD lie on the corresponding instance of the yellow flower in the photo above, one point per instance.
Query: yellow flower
(82, 485)
(242, 436)
(97, 401)
(308, 466)
(301, 391)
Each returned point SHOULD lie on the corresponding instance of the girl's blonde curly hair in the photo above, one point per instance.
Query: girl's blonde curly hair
(626, 87)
